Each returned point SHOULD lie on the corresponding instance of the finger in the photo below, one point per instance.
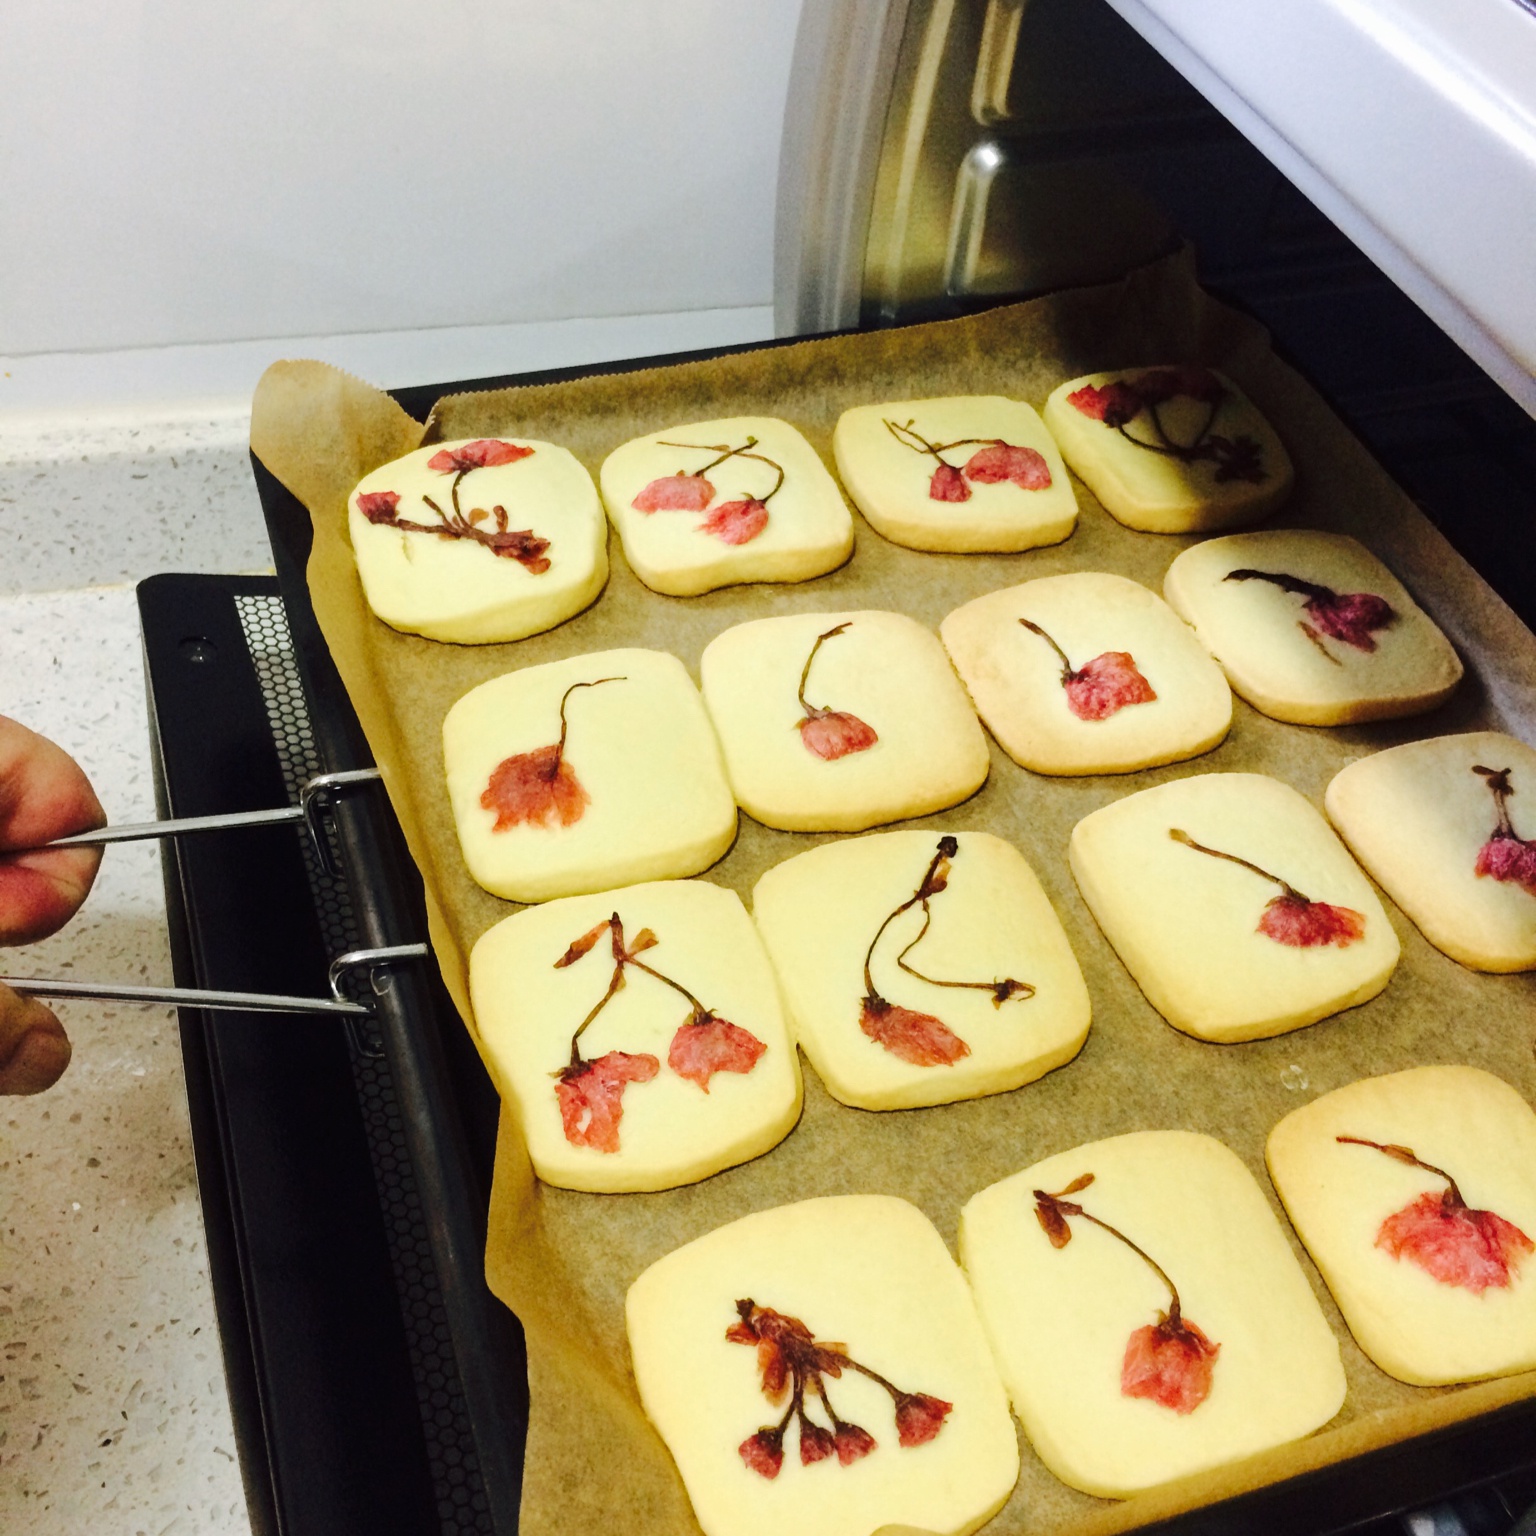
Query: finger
(43, 795)
(34, 1050)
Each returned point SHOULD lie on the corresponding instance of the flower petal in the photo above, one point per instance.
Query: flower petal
(736, 522)
(1106, 685)
(834, 733)
(1025, 467)
(1306, 924)
(702, 1048)
(1476, 1250)
(591, 1097)
(675, 493)
(537, 789)
(948, 484)
(919, 1038)
(1171, 1363)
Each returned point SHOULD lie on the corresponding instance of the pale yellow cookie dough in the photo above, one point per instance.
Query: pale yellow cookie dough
(671, 1129)
(1278, 655)
(889, 473)
(1060, 1319)
(1156, 492)
(807, 530)
(1186, 923)
(653, 801)
(459, 588)
(1476, 1128)
(818, 913)
(1417, 816)
(884, 671)
(1014, 676)
(868, 1276)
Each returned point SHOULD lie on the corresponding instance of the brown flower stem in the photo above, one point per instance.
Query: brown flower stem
(564, 725)
(1501, 789)
(724, 452)
(1072, 1208)
(853, 1365)
(1317, 640)
(453, 492)
(1290, 890)
(616, 934)
(805, 671)
(934, 880)
(1000, 990)
(699, 1010)
(1292, 584)
(1405, 1155)
(920, 444)
(1067, 674)
(948, 848)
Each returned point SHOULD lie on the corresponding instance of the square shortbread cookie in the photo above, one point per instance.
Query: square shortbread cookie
(921, 968)
(637, 1035)
(479, 541)
(1311, 627)
(1421, 1218)
(1233, 905)
(1131, 1368)
(718, 502)
(970, 473)
(820, 1369)
(585, 774)
(1170, 450)
(1437, 823)
(1088, 673)
(833, 722)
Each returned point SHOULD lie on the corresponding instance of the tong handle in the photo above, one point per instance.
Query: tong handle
(315, 796)
(239, 1002)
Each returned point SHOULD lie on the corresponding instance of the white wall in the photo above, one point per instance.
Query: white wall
(190, 172)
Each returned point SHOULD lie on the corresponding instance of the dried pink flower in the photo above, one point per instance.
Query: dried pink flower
(1171, 1362)
(1292, 919)
(948, 484)
(675, 493)
(709, 1044)
(591, 1097)
(919, 1038)
(737, 522)
(1446, 1237)
(483, 453)
(1001, 461)
(834, 733)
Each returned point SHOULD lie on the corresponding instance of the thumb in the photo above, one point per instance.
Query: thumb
(34, 1050)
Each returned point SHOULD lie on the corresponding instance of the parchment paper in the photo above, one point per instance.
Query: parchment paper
(563, 1261)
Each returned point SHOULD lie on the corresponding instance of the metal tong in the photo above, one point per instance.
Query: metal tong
(315, 798)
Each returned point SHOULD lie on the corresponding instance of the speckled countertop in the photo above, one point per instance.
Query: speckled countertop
(113, 1411)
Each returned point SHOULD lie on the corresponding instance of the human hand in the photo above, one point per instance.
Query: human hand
(43, 795)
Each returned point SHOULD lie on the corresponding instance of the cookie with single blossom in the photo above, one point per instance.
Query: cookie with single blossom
(1311, 627)
(1233, 905)
(1447, 827)
(1148, 1315)
(1087, 673)
(585, 774)
(921, 967)
(834, 722)
(1415, 1194)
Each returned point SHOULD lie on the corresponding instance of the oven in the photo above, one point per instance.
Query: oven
(940, 156)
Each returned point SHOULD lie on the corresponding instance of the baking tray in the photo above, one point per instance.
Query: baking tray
(1384, 1480)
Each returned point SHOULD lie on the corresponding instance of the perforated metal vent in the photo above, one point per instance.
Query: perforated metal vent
(461, 1501)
